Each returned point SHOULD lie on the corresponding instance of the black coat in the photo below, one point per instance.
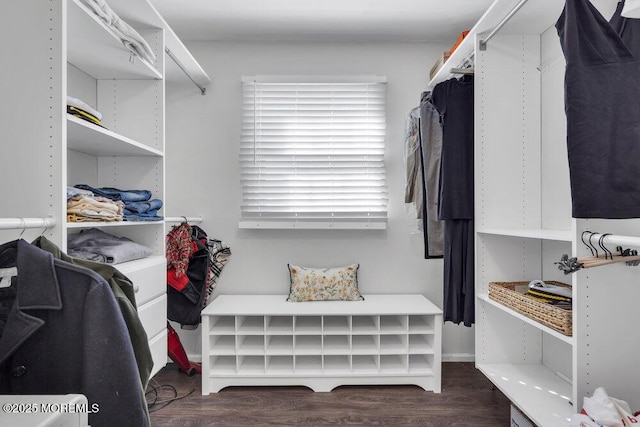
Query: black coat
(62, 332)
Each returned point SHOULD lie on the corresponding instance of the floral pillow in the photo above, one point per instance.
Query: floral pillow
(324, 284)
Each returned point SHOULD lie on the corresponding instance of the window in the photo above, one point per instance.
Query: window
(312, 152)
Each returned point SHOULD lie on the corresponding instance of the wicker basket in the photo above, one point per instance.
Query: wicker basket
(512, 294)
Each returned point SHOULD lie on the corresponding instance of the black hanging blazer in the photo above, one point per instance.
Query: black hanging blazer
(63, 334)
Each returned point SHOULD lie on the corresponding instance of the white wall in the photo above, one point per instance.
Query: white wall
(203, 174)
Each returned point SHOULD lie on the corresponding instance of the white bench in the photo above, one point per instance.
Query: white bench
(250, 340)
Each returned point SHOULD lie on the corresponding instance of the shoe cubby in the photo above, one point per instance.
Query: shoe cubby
(280, 365)
(393, 324)
(391, 344)
(279, 344)
(365, 364)
(222, 325)
(223, 365)
(319, 345)
(421, 324)
(250, 344)
(308, 344)
(364, 344)
(223, 344)
(420, 344)
(393, 363)
(308, 324)
(250, 325)
(251, 365)
(279, 325)
(336, 344)
(336, 325)
(308, 365)
(337, 364)
(364, 324)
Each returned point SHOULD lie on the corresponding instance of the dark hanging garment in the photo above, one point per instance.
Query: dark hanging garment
(454, 101)
(430, 149)
(602, 102)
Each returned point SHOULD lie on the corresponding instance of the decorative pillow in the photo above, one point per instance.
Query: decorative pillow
(324, 284)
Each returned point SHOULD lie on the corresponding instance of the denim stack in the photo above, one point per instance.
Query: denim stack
(138, 204)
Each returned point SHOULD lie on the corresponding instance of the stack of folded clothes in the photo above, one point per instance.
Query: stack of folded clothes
(85, 207)
(82, 110)
(138, 204)
(96, 245)
(549, 293)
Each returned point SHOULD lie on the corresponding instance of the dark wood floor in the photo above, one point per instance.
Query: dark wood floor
(467, 399)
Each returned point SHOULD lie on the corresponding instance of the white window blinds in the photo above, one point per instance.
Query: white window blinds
(312, 153)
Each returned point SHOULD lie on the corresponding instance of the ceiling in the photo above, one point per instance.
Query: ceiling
(321, 20)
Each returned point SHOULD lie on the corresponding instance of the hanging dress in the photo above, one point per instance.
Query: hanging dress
(454, 101)
(602, 104)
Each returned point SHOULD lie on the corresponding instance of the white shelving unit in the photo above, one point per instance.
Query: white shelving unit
(70, 51)
(265, 340)
(523, 224)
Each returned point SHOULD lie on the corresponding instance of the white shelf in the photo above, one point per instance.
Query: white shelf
(113, 224)
(540, 394)
(94, 140)
(534, 17)
(485, 298)
(320, 346)
(144, 14)
(96, 50)
(544, 234)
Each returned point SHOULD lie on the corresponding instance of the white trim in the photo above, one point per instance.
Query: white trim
(293, 79)
(458, 357)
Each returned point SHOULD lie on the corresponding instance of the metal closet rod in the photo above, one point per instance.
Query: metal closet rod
(195, 219)
(23, 223)
(612, 239)
(483, 43)
(184, 70)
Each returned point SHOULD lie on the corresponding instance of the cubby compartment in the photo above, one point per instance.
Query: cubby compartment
(365, 364)
(393, 363)
(282, 365)
(308, 365)
(364, 344)
(336, 344)
(250, 324)
(222, 344)
(364, 325)
(335, 325)
(279, 325)
(421, 363)
(420, 344)
(421, 324)
(393, 344)
(250, 365)
(250, 344)
(393, 324)
(308, 344)
(308, 324)
(339, 365)
(222, 325)
(222, 365)
(279, 344)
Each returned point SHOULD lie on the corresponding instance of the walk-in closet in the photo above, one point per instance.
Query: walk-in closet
(275, 212)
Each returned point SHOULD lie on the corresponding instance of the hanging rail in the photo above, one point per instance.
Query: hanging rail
(23, 223)
(614, 240)
(184, 70)
(194, 219)
(483, 43)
